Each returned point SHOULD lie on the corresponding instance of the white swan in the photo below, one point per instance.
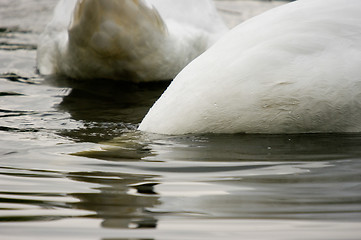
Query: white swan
(293, 69)
(134, 40)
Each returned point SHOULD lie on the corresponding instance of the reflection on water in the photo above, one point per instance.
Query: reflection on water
(73, 165)
(257, 176)
(121, 202)
(109, 109)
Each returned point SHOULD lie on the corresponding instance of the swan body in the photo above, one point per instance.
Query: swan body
(294, 69)
(133, 40)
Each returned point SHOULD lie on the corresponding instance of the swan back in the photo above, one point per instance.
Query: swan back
(295, 68)
(125, 39)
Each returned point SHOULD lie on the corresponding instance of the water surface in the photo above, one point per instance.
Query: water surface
(73, 166)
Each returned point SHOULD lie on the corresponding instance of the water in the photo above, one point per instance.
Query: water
(72, 165)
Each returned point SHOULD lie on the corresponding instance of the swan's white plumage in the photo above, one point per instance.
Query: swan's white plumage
(293, 69)
(140, 40)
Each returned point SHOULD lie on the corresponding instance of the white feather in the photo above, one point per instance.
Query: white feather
(133, 40)
(293, 69)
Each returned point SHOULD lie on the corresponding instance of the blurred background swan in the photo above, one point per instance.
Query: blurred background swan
(131, 40)
(293, 69)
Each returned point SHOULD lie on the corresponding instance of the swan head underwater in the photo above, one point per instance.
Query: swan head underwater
(293, 69)
(129, 40)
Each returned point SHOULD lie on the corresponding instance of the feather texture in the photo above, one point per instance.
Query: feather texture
(293, 69)
(132, 40)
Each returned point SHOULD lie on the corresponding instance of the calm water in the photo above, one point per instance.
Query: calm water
(72, 165)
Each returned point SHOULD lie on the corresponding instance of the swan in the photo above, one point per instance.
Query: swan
(293, 69)
(131, 40)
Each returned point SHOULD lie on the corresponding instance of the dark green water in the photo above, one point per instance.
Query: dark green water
(73, 166)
